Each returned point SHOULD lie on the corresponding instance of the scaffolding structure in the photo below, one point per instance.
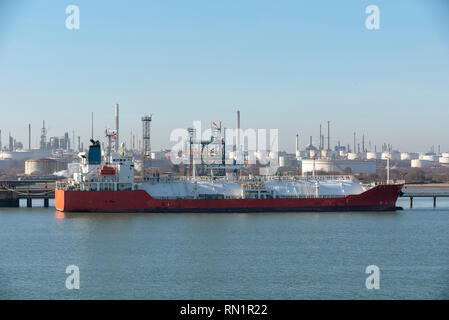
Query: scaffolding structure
(209, 153)
(43, 142)
(146, 146)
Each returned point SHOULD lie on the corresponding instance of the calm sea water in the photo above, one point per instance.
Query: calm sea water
(226, 256)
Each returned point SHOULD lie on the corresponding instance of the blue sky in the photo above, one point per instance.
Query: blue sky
(283, 64)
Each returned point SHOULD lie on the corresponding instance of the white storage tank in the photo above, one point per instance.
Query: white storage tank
(282, 161)
(287, 161)
(432, 158)
(417, 163)
(394, 155)
(352, 156)
(371, 156)
(406, 156)
(445, 155)
(444, 160)
(41, 166)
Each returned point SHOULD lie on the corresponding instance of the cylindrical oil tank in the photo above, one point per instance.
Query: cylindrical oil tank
(352, 156)
(445, 155)
(444, 160)
(371, 156)
(282, 161)
(40, 166)
(385, 155)
(287, 161)
(406, 156)
(392, 155)
(417, 163)
(430, 158)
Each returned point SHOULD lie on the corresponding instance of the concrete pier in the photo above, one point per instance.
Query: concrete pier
(434, 196)
(11, 191)
(8, 199)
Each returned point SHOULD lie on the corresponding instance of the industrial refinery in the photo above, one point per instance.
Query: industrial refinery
(57, 156)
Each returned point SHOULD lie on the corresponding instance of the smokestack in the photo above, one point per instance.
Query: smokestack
(328, 136)
(0, 140)
(297, 144)
(355, 147)
(117, 143)
(363, 143)
(92, 127)
(237, 127)
(321, 139)
(43, 144)
(310, 140)
(29, 136)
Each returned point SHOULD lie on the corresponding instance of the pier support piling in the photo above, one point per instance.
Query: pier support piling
(434, 202)
(29, 202)
(411, 202)
(46, 202)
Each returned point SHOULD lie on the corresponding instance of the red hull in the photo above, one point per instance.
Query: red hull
(379, 198)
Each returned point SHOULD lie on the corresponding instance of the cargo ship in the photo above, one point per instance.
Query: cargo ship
(106, 184)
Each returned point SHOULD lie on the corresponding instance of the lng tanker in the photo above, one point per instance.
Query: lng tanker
(106, 184)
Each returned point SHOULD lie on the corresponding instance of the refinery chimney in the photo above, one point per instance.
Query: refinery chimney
(363, 143)
(355, 147)
(117, 143)
(321, 146)
(29, 136)
(237, 139)
(43, 143)
(328, 136)
(297, 145)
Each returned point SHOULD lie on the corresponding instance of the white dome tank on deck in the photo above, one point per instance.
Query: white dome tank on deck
(186, 189)
(304, 188)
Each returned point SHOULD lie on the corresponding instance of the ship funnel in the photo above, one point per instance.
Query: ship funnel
(94, 155)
